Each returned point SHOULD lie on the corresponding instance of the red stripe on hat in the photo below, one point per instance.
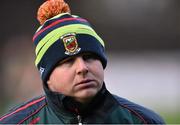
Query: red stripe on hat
(24, 107)
(56, 22)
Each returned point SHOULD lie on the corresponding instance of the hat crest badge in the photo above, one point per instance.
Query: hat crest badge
(70, 44)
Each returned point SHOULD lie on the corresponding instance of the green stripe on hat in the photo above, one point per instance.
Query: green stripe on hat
(78, 28)
(54, 35)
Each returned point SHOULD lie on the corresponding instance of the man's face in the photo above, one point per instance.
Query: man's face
(80, 77)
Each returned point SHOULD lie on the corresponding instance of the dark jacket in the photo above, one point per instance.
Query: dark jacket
(105, 108)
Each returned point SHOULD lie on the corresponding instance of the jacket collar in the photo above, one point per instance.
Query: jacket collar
(65, 106)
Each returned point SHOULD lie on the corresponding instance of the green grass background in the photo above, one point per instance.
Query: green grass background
(171, 117)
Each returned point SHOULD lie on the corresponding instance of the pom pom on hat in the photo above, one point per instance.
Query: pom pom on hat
(51, 8)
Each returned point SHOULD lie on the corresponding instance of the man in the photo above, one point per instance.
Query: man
(71, 60)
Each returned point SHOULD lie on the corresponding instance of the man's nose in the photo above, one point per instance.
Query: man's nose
(81, 66)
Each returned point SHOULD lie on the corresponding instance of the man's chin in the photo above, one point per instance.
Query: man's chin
(86, 95)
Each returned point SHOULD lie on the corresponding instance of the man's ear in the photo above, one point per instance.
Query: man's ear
(50, 86)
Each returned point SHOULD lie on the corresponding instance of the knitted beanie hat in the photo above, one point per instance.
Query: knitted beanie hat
(62, 35)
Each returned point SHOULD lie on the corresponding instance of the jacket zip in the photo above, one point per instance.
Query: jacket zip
(79, 120)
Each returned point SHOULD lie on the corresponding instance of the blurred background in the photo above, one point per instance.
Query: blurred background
(142, 40)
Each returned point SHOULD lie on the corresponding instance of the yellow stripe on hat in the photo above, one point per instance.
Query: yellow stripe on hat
(54, 35)
(77, 28)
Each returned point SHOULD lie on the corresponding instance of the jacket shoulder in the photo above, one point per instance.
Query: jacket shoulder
(23, 112)
(147, 116)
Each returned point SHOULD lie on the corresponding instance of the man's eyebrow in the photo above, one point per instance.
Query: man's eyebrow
(66, 59)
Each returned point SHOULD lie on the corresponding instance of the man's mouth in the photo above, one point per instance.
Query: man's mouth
(86, 83)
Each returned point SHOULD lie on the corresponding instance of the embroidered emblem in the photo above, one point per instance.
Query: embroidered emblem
(70, 44)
